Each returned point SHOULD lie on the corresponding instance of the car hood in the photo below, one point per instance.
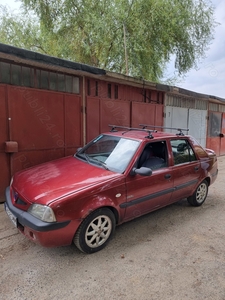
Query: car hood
(53, 180)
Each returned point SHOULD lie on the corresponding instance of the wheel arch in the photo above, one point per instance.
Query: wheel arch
(113, 209)
(100, 202)
(115, 212)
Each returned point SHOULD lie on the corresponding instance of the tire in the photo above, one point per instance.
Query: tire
(200, 194)
(95, 231)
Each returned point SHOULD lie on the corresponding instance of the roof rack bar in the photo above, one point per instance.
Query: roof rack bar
(117, 126)
(130, 129)
(171, 128)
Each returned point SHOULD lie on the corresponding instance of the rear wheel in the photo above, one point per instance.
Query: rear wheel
(95, 231)
(200, 194)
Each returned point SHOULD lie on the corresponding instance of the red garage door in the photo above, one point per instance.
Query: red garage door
(101, 113)
(147, 113)
(214, 130)
(43, 125)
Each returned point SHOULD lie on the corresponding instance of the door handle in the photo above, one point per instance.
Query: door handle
(167, 176)
(196, 168)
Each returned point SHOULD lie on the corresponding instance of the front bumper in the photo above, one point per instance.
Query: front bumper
(26, 219)
(43, 233)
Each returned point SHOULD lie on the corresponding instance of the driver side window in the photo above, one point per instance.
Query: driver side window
(154, 156)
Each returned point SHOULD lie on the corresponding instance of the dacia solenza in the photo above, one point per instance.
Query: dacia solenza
(118, 176)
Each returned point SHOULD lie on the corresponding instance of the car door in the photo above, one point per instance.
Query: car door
(148, 193)
(185, 170)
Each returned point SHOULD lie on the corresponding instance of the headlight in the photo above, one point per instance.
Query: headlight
(42, 212)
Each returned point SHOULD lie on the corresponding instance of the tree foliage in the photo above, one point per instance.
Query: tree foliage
(95, 32)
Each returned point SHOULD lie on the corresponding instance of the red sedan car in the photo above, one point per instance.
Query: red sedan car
(118, 176)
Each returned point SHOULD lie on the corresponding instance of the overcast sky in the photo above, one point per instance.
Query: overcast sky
(210, 77)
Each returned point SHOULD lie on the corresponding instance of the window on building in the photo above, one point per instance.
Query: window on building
(44, 80)
(27, 76)
(53, 81)
(69, 82)
(61, 83)
(4, 72)
(16, 74)
(76, 85)
(36, 78)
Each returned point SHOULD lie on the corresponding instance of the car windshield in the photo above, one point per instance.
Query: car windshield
(110, 152)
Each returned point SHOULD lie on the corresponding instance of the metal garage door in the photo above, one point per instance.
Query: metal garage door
(43, 125)
(193, 119)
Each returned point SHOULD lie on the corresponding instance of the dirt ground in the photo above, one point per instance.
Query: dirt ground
(175, 253)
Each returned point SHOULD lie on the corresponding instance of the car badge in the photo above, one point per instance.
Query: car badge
(16, 196)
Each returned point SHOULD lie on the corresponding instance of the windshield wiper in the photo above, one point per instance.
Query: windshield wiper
(100, 162)
(86, 157)
(89, 160)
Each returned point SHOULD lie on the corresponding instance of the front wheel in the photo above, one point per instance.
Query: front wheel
(95, 231)
(200, 194)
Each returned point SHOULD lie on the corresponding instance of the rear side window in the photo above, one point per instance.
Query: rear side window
(182, 151)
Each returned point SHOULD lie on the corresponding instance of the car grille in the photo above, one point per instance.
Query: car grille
(18, 200)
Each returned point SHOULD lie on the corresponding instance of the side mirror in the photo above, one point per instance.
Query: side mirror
(143, 171)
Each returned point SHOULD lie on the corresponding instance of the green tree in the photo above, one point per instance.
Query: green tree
(95, 32)
(18, 31)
